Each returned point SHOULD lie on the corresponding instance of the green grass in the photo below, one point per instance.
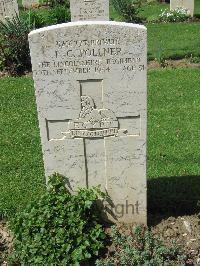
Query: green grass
(153, 10)
(173, 142)
(147, 12)
(174, 111)
(150, 11)
(114, 15)
(21, 167)
(168, 40)
(173, 40)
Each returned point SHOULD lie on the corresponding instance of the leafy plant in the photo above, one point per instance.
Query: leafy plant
(46, 17)
(160, 56)
(177, 15)
(60, 229)
(59, 14)
(140, 247)
(128, 9)
(35, 18)
(14, 47)
(195, 59)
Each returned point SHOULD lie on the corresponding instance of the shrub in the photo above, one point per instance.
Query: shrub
(36, 18)
(138, 248)
(128, 9)
(60, 229)
(59, 14)
(195, 59)
(46, 17)
(14, 47)
(177, 15)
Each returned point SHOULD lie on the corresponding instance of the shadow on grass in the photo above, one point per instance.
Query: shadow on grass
(172, 196)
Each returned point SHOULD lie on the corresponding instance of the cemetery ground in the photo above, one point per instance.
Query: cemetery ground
(173, 143)
(152, 10)
(165, 40)
(173, 151)
(173, 137)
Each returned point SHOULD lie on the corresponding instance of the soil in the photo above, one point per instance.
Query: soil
(181, 63)
(5, 243)
(184, 230)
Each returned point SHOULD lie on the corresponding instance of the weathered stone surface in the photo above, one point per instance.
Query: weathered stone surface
(90, 82)
(30, 3)
(8, 8)
(187, 4)
(89, 10)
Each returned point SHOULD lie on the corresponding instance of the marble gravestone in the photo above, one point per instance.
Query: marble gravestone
(89, 10)
(187, 4)
(30, 3)
(8, 8)
(91, 92)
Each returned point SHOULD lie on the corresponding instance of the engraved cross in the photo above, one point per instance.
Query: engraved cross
(94, 125)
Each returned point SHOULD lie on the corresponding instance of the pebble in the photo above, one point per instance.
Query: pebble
(187, 226)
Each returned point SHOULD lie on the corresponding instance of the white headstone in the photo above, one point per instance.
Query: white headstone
(90, 83)
(186, 4)
(8, 8)
(89, 10)
(30, 3)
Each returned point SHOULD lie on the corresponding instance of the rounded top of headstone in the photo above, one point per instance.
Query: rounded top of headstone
(85, 23)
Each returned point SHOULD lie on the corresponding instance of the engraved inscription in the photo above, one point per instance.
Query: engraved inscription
(91, 56)
(90, 82)
(89, 10)
(92, 134)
